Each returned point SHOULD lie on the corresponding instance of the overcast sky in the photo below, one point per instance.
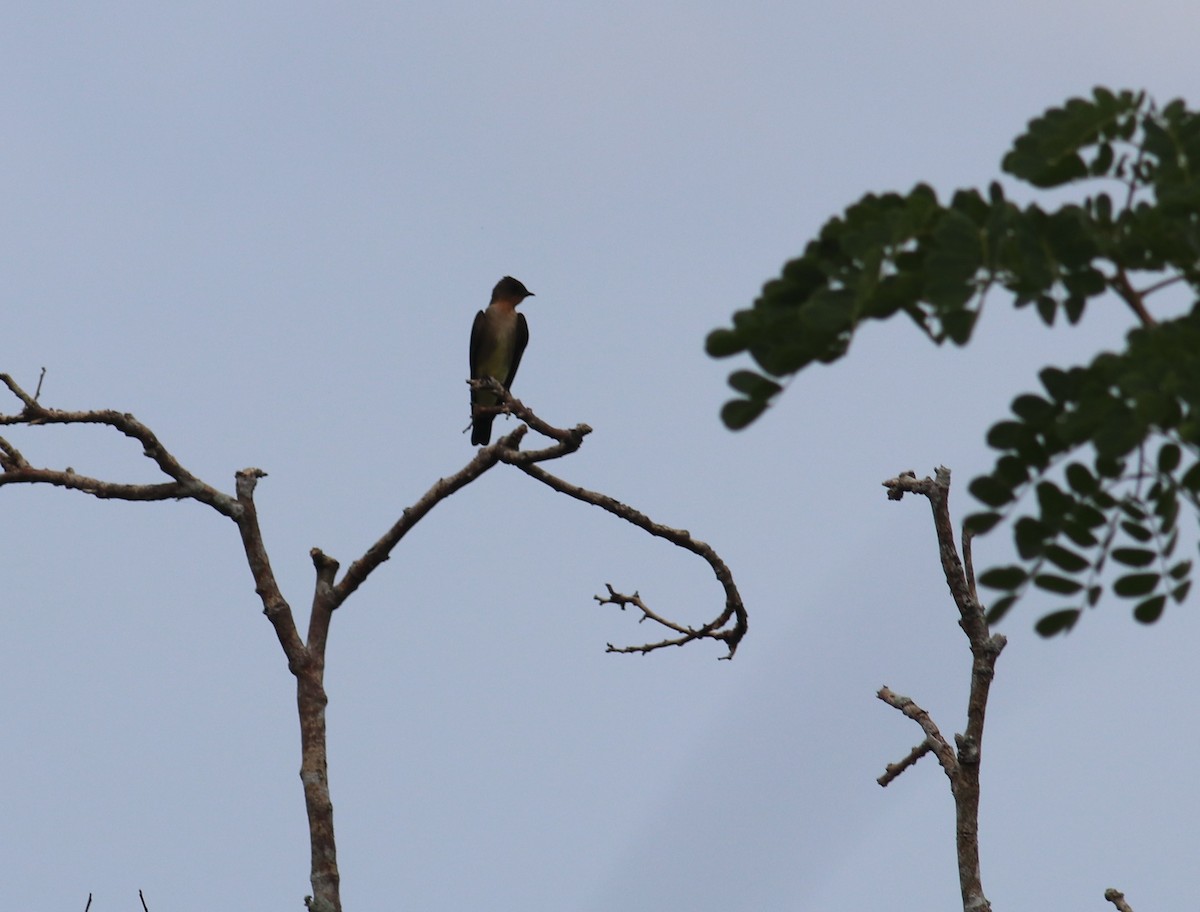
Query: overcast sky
(265, 229)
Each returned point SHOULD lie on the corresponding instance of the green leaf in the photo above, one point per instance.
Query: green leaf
(1191, 478)
(979, 523)
(1007, 435)
(1080, 479)
(1179, 593)
(1012, 470)
(1167, 510)
(1033, 409)
(1135, 584)
(1030, 535)
(1054, 503)
(1047, 307)
(1103, 160)
(1090, 516)
(1047, 154)
(1180, 570)
(1134, 557)
(1151, 609)
(1136, 531)
(739, 413)
(1057, 622)
(955, 255)
(1051, 582)
(1109, 466)
(755, 386)
(958, 324)
(1066, 559)
(1169, 457)
(1079, 534)
(991, 492)
(1058, 383)
(1000, 608)
(1009, 577)
(721, 343)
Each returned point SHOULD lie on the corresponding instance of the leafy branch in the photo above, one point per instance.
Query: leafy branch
(937, 262)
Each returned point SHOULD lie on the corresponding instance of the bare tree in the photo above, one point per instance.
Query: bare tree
(306, 657)
(960, 763)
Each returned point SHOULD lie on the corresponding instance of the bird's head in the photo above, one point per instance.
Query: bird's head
(510, 289)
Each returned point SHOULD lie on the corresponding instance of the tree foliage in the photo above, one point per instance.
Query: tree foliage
(1094, 469)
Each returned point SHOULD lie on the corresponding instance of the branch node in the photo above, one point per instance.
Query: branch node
(1117, 898)
(246, 480)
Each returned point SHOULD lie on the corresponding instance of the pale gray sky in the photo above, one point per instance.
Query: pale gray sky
(265, 229)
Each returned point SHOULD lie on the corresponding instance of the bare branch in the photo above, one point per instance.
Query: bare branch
(11, 458)
(968, 563)
(275, 606)
(507, 450)
(510, 405)
(933, 737)
(963, 771)
(104, 490)
(357, 573)
(687, 634)
(27, 400)
(143, 899)
(322, 604)
(306, 660)
(89, 903)
(1117, 898)
(893, 770)
(715, 629)
(186, 485)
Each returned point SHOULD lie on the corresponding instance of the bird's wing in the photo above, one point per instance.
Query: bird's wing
(518, 348)
(476, 342)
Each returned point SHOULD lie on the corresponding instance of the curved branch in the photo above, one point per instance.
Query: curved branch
(715, 629)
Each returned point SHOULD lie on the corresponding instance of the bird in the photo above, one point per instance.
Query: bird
(498, 339)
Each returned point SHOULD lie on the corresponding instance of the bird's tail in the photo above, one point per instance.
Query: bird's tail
(481, 429)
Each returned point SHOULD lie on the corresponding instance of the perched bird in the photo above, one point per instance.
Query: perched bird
(498, 339)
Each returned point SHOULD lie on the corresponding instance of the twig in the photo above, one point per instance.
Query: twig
(715, 629)
(1158, 286)
(892, 770)
(933, 737)
(1120, 283)
(143, 899)
(89, 903)
(37, 392)
(968, 563)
